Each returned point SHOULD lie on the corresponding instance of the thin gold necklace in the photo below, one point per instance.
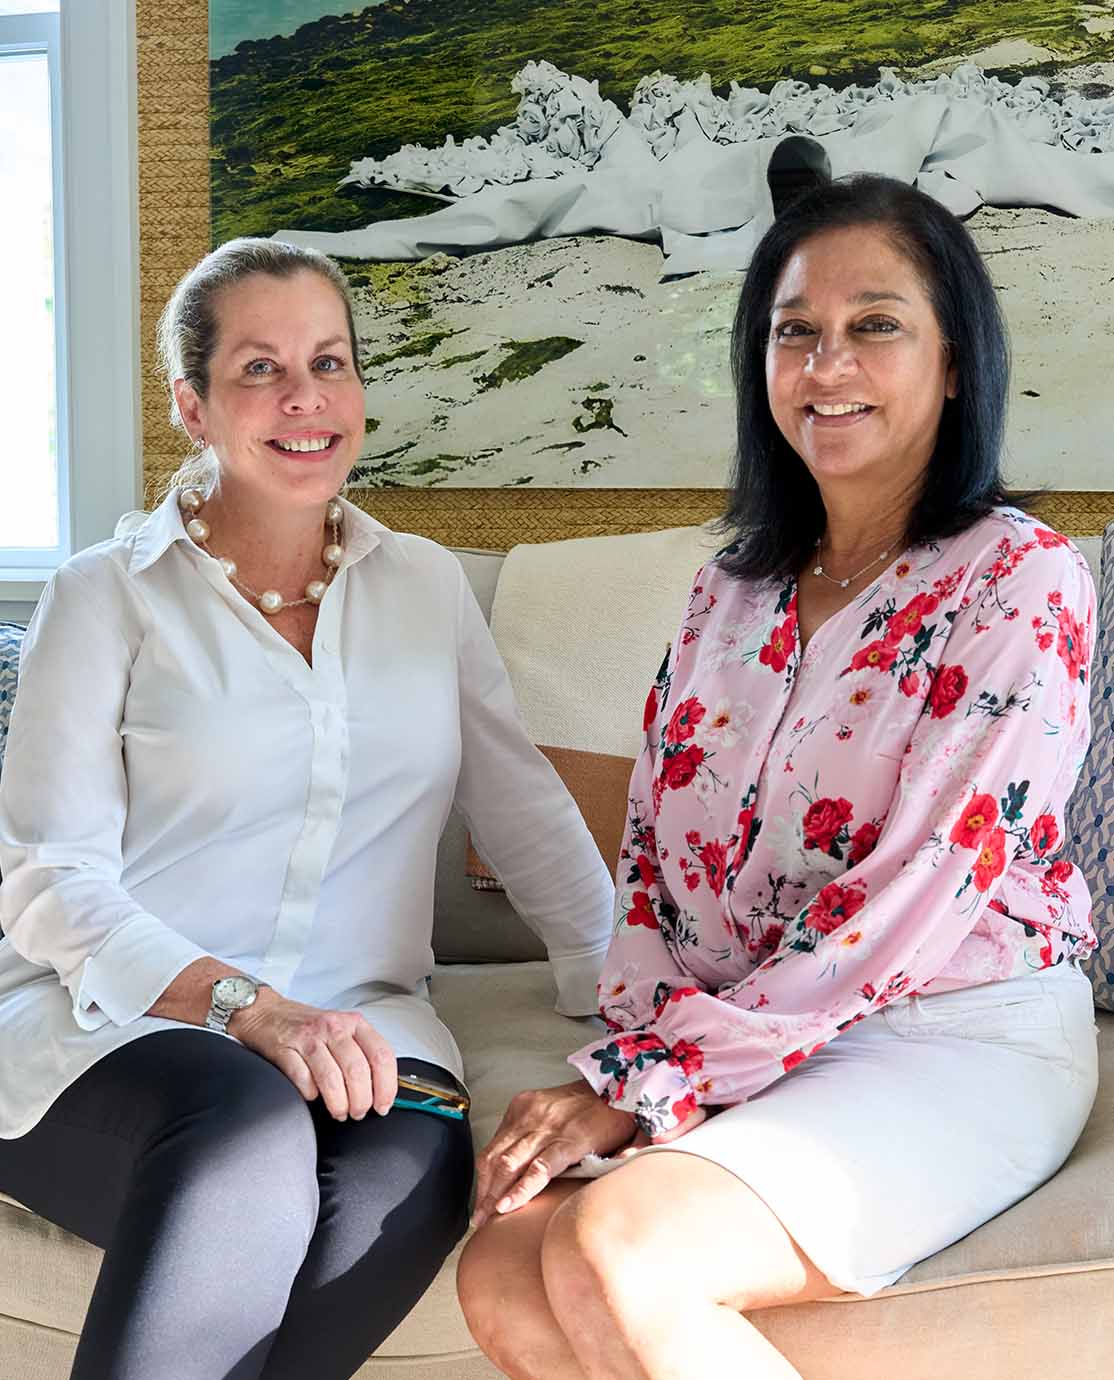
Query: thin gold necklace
(818, 568)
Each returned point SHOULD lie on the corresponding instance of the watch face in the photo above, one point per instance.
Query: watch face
(233, 993)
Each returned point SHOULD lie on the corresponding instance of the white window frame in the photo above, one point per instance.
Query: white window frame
(96, 278)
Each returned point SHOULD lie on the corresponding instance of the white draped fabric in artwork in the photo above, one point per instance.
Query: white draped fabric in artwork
(688, 168)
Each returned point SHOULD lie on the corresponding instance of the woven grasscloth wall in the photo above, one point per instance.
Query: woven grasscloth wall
(174, 233)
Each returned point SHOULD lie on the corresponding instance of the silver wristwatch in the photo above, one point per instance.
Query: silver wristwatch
(230, 994)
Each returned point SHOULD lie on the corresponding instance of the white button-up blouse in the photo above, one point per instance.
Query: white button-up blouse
(179, 782)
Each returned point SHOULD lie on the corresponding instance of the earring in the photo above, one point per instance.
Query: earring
(200, 443)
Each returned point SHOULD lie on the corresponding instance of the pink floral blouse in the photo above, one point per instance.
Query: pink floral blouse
(812, 836)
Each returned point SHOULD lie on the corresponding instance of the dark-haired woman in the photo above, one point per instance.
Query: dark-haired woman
(842, 995)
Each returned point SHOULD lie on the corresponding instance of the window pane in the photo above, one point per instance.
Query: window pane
(28, 6)
(29, 512)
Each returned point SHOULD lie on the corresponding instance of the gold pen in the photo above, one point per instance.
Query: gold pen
(447, 1099)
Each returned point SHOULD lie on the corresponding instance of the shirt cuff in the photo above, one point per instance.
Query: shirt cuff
(577, 977)
(130, 971)
(637, 1072)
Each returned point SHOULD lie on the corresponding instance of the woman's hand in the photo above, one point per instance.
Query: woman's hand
(541, 1134)
(336, 1054)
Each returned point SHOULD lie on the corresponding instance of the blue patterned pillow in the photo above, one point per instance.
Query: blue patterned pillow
(11, 638)
(1090, 812)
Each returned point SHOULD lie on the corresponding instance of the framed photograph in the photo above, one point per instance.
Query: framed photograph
(544, 207)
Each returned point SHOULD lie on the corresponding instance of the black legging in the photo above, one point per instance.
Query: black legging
(247, 1235)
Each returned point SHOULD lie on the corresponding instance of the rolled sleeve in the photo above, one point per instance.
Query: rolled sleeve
(577, 978)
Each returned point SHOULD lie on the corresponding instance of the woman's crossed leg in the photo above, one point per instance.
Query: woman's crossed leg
(642, 1275)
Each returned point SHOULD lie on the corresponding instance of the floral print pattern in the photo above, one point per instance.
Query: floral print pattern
(812, 835)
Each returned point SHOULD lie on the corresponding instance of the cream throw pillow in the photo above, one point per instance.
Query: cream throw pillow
(582, 626)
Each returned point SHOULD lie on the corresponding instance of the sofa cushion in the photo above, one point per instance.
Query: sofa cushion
(581, 682)
(1089, 823)
(11, 640)
(482, 569)
(1091, 547)
(471, 926)
(474, 926)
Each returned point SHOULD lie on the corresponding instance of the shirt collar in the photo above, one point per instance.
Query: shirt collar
(361, 533)
(164, 527)
(161, 530)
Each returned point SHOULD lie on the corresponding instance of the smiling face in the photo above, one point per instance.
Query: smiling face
(857, 370)
(284, 410)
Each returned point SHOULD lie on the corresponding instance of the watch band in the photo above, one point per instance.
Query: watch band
(218, 1016)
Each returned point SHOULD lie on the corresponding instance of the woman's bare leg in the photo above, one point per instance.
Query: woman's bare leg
(643, 1275)
(501, 1292)
(648, 1271)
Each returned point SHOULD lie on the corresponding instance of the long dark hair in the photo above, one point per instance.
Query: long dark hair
(775, 513)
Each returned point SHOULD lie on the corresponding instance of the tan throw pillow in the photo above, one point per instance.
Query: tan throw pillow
(598, 782)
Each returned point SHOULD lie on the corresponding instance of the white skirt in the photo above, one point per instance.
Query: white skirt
(918, 1124)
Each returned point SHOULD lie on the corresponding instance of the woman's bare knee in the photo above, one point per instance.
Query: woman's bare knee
(587, 1250)
(611, 1241)
(503, 1299)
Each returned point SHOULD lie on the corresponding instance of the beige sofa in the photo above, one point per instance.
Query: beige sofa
(1029, 1296)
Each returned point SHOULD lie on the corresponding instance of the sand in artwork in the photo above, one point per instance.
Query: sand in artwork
(570, 362)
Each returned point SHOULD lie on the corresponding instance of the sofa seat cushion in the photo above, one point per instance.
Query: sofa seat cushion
(512, 1039)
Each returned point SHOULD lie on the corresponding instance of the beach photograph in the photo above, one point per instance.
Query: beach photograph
(544, 222)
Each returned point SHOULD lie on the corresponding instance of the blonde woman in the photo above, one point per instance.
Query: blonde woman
(238, 734)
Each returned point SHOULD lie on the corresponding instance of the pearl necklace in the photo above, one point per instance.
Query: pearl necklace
(818, 569)
(270, 601)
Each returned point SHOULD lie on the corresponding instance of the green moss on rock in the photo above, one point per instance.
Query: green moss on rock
(526, 358)
(397, 284)
(459, 359)
(562, 446)
(438, 468)
(389, 454)
(600, 416)
(432, 465)
(422, 345)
